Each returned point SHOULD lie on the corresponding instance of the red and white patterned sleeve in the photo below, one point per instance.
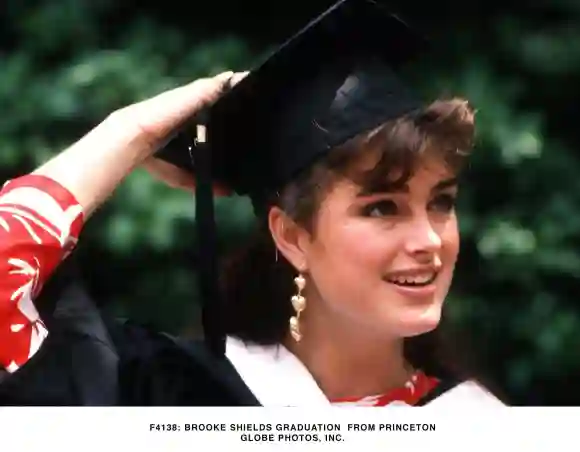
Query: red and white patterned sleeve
(40, 222)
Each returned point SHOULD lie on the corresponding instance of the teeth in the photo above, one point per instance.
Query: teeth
(417, 279)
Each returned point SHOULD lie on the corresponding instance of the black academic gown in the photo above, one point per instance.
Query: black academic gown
(89, 359)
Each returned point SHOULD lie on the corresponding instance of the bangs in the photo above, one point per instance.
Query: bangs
(443, 132)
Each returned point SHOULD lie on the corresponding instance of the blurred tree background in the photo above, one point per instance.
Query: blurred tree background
(65, 64)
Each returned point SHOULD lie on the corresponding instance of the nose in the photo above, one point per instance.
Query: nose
(422, 237)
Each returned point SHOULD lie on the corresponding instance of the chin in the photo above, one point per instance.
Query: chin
(415, 323)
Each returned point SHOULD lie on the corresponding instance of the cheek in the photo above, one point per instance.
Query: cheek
(352, 258)
(450, 241)
(357, 243)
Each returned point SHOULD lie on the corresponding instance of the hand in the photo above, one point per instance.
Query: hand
(93, 166)
(176, 177)
(156, 119)
(172, 175)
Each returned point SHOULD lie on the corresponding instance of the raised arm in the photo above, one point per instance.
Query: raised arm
(92, 168)
(41, 214)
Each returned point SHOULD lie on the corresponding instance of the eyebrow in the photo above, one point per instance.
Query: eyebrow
(386, 187)
(446, 183)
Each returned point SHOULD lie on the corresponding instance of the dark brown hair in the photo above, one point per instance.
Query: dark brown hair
(258, 287)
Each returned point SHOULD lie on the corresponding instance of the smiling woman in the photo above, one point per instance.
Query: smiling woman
(353, 180)
(372, 227)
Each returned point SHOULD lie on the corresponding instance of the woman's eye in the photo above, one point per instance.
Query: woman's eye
(381, 209)
(444, 203)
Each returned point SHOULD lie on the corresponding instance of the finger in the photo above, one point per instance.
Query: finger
(220, 190)
(187, 99)
(176, 177)
(194, 96)
(237, 78)
(168, 173)
(206, 91)
(158, 116)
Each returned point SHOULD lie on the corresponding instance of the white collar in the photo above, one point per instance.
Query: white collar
(465, 395)
(274, 375)
(277, 378)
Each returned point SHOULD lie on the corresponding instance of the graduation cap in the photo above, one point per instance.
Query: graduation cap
(334, 79)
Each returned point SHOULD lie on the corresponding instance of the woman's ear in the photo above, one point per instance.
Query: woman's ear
(291, 239)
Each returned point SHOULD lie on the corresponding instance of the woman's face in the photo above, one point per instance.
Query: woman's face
(384, 261)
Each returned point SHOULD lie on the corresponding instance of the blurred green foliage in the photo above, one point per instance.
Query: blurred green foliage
(66, 64)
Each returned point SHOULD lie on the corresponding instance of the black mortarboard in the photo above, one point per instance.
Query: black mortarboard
(333, 80)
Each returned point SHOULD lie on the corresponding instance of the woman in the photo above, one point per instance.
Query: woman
(354, 182)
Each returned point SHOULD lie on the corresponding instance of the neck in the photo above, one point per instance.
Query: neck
(348, 362)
